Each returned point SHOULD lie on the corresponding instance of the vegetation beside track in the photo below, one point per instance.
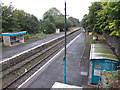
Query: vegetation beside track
(37, 36)
(40, 35)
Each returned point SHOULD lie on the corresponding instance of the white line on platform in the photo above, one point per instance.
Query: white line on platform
(18, 54)
(30, 79)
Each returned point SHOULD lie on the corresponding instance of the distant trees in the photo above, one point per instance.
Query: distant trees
(17, 20)
(59, 22)
(47, 26)
(14, 20)
(51, 21)
(103, 16)
(74, 21)
(84, 22)
(56, 19)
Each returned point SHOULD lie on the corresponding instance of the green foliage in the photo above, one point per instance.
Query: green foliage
(92, 15)
(33, 37)
(69, 23)
(51, 14)
(92, 41)
(90, 20)
(7, 18)
(95, 35)
(55, 17)
(113, 77)
(109, 85)
(48, 27)
(84, 22)
(14, 20)
(59, 22)
(74, 21)
(109, 14)
(103, 16)
(52, 19)
(27, 36)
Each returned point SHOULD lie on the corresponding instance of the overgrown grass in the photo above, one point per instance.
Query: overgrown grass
(113, 77)
(31, 37)
(90, 40)
(37, 36)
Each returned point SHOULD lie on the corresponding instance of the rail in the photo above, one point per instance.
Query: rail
(57, 45)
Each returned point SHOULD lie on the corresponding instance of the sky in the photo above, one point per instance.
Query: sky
(75, 8)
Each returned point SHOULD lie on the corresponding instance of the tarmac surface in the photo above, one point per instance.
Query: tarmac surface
(77, 68)
(10, 51)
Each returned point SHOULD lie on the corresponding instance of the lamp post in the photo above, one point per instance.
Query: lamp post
(65, 28)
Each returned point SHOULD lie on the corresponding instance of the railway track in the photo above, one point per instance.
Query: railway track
(37, 61)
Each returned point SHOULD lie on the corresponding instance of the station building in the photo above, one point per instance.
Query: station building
(11, 39)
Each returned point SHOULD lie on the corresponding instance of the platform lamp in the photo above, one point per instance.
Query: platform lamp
(65, 28)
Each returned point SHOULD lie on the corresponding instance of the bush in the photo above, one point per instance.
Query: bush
(27, 36)
(92, 41)
(48, 27)
(95, 35)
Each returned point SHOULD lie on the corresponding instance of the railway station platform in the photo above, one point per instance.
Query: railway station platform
(52, 71)
(10, 51)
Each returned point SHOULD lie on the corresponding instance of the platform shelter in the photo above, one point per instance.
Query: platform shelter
(101, 58)
(10, 39)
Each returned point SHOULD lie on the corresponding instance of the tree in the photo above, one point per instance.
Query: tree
(84, 22)
(31, 23)
(56, 17)
(59, 22)
(108, 18)
(7, 18)
(48, 27)
(14, 20)
(95, 7)
(51, 14)
(69, 23)
(103, 16)
(74, 21)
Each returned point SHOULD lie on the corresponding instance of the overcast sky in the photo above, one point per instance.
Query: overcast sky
(75, 8)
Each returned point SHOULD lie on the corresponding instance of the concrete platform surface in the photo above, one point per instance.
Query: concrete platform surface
(53, 72)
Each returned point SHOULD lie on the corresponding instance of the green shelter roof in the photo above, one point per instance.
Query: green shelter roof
(102, 51)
